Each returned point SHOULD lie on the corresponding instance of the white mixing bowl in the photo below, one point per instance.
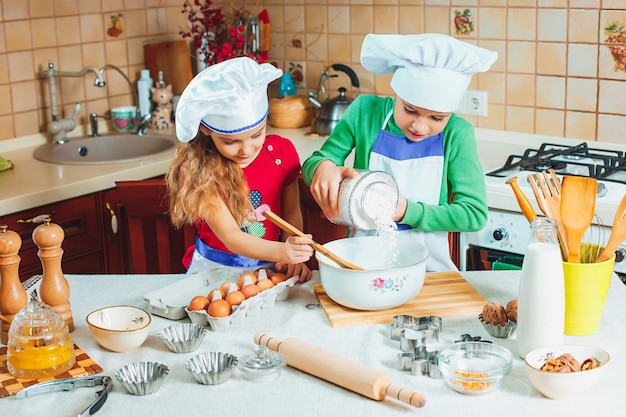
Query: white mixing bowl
(392, 275)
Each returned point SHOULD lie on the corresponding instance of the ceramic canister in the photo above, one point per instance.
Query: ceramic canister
(369, 197)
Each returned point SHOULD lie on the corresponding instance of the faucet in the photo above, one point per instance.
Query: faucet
(141, 122)
(59, 127)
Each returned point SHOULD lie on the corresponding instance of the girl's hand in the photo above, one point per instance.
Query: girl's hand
(325, 186)
(297, 249)
(291, 270)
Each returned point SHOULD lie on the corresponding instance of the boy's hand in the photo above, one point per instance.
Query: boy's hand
(325, 186)
(398, 214)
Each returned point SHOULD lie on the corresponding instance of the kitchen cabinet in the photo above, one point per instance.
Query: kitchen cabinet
(82, 248)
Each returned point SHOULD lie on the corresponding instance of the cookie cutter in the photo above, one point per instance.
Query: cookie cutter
(420, 362)
(469, 338)
(410, 339)
(430, 325)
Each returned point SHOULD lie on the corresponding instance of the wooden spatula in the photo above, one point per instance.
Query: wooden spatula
(578, 205)
(289, 228)
(618, 232)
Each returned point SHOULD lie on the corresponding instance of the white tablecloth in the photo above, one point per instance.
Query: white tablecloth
(299, 394)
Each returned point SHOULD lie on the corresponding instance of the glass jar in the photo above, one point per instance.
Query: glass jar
(541, 298)
(39, 343)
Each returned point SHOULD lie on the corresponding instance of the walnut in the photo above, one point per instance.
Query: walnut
(511, 310)
(494, 313)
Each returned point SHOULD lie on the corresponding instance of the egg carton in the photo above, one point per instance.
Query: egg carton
(250, 307)
(172, 300)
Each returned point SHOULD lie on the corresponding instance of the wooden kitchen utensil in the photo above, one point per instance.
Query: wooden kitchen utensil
(13, 296)
(522, 200)
(578, 204)
(54, 288)
(618, 232)
(289, 228)
(339, 370)
(548, 197)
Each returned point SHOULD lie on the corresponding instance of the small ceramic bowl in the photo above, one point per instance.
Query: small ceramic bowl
(142, 378)
(182, 337)
(212, 368)
(560, 386)
(475, 367)
(119, 328)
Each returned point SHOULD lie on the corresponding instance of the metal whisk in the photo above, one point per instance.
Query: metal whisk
(593, 241)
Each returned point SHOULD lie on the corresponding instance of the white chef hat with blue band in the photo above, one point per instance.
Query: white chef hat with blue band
(229, 97)
(430, 70)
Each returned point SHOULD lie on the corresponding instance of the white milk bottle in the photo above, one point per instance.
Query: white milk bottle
(541, 299)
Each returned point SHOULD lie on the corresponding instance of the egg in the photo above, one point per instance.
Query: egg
(219, 308)
(262, 273)
(225, 287)
(198, 302)
(277, 277)
(250, 290)
(248, 276)
(215, 294)
(264, 284)
(235, 298)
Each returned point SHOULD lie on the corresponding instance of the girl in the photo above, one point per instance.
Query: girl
(415, 137)
(227, 172)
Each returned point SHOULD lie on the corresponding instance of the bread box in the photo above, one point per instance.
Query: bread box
(291, 112)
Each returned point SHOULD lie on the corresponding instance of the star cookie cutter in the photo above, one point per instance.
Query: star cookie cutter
(430, 325)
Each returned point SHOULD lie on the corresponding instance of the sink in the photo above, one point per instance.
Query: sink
(107, 149)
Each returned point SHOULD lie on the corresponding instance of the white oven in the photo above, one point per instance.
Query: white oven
(506, 233)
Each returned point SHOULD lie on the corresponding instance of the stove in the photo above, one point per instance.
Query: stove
(507, 232)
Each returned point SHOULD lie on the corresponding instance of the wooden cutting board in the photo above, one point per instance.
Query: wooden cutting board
(444, 294)
(173, 59)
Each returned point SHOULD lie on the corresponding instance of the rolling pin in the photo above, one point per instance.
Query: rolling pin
(339, 370)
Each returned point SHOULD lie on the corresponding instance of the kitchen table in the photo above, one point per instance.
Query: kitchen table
(297, 393)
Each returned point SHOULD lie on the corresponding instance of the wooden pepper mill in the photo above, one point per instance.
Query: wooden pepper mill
(54, 288)
(13, 296)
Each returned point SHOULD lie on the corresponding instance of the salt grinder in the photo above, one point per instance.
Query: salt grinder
(54, 289)
(13, 296)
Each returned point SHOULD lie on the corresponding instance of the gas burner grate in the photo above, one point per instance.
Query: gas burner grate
(579, 160)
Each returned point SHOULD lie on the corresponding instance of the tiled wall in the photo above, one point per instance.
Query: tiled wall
(555, 74)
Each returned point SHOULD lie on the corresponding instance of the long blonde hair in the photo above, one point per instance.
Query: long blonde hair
(199, 177)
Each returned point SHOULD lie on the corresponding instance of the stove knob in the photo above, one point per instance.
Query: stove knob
(620, 254)
(501, 234)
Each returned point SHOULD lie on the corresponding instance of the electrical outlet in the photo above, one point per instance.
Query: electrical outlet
(474, 103)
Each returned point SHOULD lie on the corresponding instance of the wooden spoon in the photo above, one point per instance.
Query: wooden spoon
(618, 232)
(578, 204)
(289, 228)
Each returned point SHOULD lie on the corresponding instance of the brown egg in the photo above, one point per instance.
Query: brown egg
(264, 284)
(262, 273)
(250, 290)
(235, 298)
(212, 294)
(248, 276)
(226, 286)
(198, 302)
(277, 277)
(219, 308)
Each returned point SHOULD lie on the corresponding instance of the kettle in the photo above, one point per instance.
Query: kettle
(331, 110)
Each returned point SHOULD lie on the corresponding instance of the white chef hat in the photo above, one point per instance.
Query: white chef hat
(431, 71)
(229, 97)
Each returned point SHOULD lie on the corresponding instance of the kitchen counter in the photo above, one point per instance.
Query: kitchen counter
(297, 393)
(33, 183)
